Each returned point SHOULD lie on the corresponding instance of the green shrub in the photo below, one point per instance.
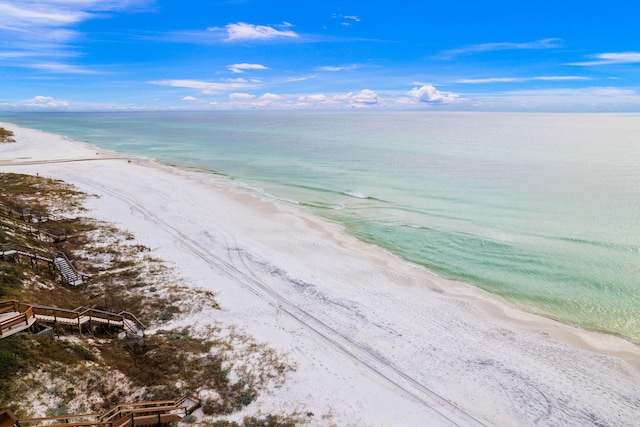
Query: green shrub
(189, 419)
(8, 363)
(83, 353)
(6, 135)
(55, 390)
(58, 411)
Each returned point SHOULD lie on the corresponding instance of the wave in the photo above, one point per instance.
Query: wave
(320, 205)
(264, 193)
(356, 194)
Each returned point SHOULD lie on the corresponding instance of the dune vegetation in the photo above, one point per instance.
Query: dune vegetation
(90, 372)
(6, 135)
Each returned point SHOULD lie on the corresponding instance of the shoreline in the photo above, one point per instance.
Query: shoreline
(378, 340)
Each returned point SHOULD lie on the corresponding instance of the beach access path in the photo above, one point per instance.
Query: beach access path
(377, 341)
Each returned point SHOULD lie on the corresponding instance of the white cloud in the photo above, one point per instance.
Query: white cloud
(237, 80)
(347, 20)
(364, 98)
(33, 17)
(596, 98)
(314, 98)
(56, 67)
(190, 99)
(25, 14)
(521, 79)
(45, 102)
(271, 97)
(317, 100)
(241, 68)
(268, 100)
(44, 28)
(490, 80)
(404, 102)
(551, 43)
(560, 78)
(339, 68)
(241, 96)
(612, 58)
(206, 88)
(244, 31)
(430, 95)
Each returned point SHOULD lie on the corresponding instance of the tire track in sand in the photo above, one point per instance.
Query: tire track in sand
(439, 406)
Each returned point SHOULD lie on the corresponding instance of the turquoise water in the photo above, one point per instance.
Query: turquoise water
(543, 209)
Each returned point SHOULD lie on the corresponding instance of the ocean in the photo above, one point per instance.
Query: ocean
(542, 209)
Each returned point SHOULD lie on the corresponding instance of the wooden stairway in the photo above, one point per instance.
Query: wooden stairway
(68, 273)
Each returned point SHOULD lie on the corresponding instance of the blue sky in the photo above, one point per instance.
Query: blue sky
(251, 54)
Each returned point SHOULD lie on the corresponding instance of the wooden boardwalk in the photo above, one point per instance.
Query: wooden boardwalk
(31, 222)
(122, 415)
(16, 317)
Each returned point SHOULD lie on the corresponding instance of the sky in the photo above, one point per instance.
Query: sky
(470, 55)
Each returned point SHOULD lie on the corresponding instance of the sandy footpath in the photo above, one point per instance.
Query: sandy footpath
(377, 341)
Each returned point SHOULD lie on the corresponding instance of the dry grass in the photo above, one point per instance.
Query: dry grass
(75, 374)
(40, 194)
(6, 135)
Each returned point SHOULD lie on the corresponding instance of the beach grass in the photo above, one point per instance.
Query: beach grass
(93, 372)
(6, 135)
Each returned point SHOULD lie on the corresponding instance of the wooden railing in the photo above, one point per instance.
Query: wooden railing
(125, 414)
(141, 408)
(25, 250)
(66, 420)
(67, 277)
(23, 213)
(31, 221)
(24, 313)
(132, 318)
(79, 314)
(71, 271)
(9, 306)
(77, 317)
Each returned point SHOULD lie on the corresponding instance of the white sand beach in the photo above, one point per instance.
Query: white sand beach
(377, 341)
